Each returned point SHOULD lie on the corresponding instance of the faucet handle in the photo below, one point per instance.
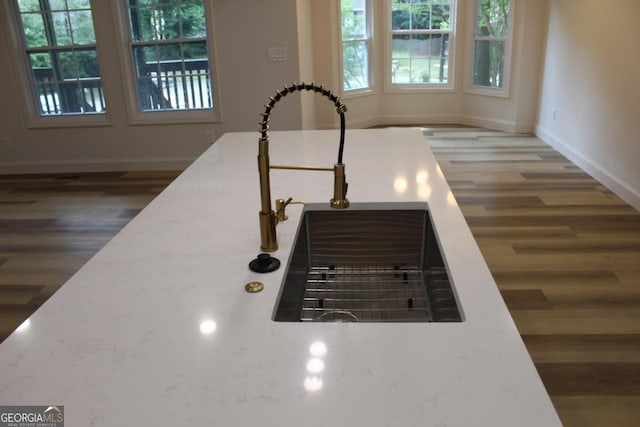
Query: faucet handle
(281, 204)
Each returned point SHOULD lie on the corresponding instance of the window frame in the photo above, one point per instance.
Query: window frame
(470, 86)
(369, 39)
(128, 72)
(450, 85)
(29, 102)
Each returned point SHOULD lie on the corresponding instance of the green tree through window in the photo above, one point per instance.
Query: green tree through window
(355, 44)
(491, 35)
(420, 35)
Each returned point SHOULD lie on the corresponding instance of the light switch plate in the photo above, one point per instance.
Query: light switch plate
(277, 54)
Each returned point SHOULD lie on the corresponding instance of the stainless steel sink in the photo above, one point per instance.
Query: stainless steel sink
(373, 262)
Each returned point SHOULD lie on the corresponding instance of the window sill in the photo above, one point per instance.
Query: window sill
(358, 93)
(174, 117)
(487, 91)
(70, 121)
(418, 88)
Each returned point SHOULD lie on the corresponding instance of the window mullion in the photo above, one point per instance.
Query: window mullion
(167, 42)
(48, 22)
(355, 40)
(400, 32)
(59, 48)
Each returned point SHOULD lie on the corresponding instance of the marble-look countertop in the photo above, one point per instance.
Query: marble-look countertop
(157, 330)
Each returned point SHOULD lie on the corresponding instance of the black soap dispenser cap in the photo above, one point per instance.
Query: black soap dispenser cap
(264, 263)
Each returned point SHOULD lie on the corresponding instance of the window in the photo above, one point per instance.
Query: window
(490, 44)
(421, 32)
(355, 30)
(60, 46)
(168, 40)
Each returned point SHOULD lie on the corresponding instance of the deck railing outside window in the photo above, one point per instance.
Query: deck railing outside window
(84, 95)
(166, 86)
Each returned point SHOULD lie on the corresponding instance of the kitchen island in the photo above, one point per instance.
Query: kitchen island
(157, 329)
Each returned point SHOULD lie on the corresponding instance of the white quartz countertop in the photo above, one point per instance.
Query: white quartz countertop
(157, 330)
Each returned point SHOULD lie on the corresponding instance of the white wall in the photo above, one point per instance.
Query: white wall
(590, 97)
(305, 53)
(324, 30)
(243, 31)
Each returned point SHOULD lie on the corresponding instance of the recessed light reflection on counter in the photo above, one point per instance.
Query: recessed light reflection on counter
(400, 184)
(24, 326)
(313, 383)
(318, 349)
(315, 366)
(208, 327)
(422, 177)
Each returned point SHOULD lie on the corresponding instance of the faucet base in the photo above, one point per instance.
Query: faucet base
(339, 203)
(339, 200)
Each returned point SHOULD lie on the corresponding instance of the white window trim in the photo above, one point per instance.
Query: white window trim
(448, 87)
(29, 99)
(127, 69)
(470, 88)
(371, 89)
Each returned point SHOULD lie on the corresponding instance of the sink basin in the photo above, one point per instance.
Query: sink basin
(372, 262)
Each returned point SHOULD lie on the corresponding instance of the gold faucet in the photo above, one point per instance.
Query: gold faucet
(268, 217)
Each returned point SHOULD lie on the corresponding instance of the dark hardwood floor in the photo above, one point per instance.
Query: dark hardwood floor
(564, 251)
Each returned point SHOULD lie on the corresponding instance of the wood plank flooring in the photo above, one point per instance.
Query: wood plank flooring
(565, 253)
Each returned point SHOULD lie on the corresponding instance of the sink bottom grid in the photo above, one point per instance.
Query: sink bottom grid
(367, 294)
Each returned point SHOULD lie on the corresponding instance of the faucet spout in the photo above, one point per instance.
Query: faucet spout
(268, 217)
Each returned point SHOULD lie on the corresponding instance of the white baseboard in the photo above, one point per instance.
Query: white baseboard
(391, 120)
(609, 179)
(503, 125)
(68, 166)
